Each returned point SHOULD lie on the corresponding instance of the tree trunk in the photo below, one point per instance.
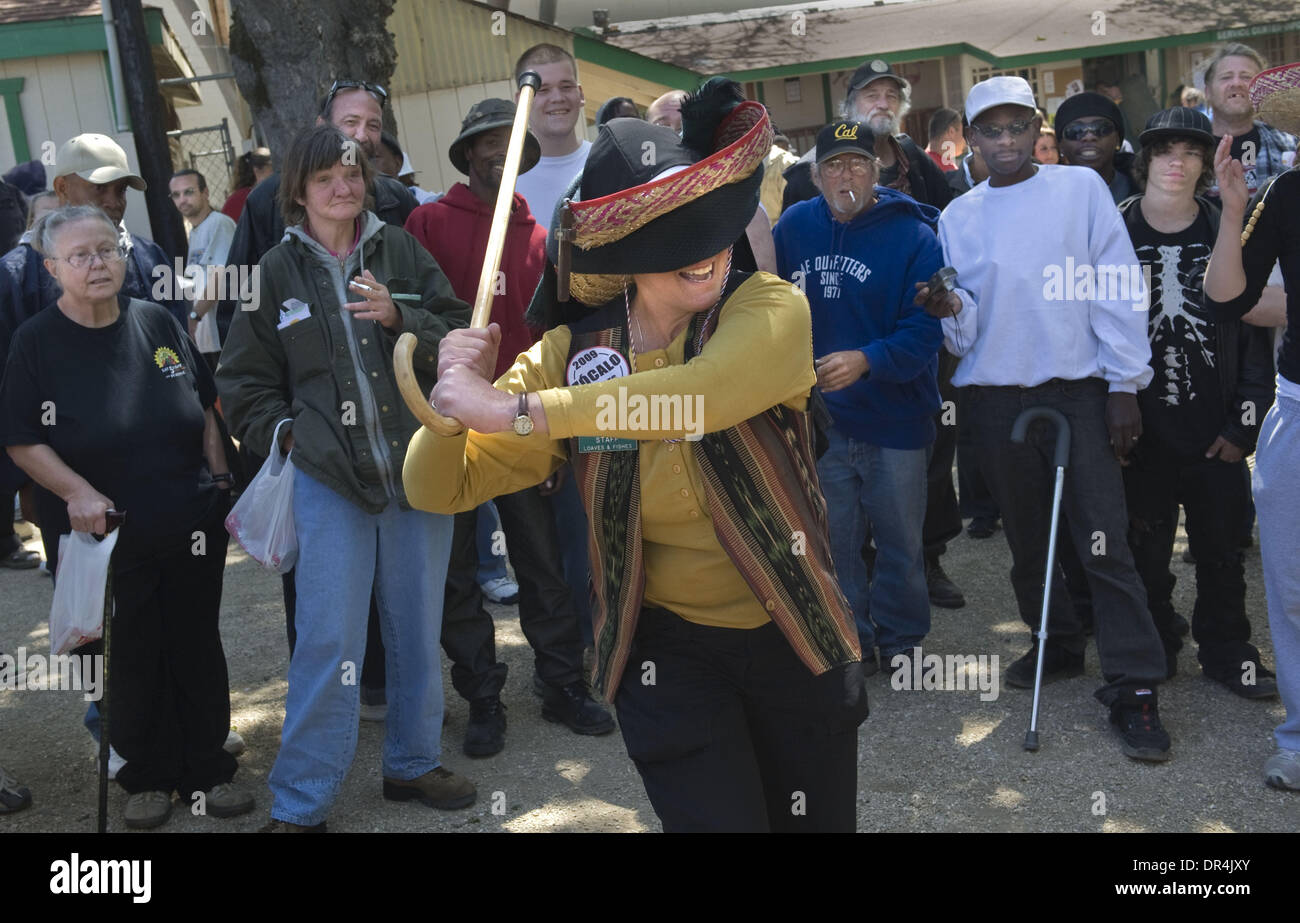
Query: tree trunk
(287, 54)
(148, 125)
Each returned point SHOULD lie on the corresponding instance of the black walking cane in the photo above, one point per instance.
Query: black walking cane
(1061, 461)
(112, 519)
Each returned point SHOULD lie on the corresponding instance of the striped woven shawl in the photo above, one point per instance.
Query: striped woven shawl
(768, 512)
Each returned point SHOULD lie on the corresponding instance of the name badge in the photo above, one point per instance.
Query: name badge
(588, 366)
(291, 312)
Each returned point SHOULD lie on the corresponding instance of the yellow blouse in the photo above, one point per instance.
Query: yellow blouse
(760, 356)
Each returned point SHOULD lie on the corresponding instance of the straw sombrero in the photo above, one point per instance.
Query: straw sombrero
(648, 200)
(1275, 94)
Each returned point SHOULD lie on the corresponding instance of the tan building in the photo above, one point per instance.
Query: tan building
(453, 53)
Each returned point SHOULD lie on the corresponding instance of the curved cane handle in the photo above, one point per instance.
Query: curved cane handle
(404, 369)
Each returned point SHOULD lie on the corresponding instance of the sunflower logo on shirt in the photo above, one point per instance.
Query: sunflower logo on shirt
(168, 362)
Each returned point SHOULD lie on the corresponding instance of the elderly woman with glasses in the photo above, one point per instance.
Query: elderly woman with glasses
(107, 404)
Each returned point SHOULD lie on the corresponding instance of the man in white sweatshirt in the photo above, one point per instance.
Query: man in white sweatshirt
(1055, 320)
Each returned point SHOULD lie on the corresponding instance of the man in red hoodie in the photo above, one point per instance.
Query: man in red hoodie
(455, 230)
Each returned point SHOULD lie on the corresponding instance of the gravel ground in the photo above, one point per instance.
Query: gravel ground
(929, 760)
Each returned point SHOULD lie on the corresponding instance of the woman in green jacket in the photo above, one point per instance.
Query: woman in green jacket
(316, 351)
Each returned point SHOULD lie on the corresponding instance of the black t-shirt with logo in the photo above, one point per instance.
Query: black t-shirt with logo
(122, 406)
(1240, 144)
(1183, 405)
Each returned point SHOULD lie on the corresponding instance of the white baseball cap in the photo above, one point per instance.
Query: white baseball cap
(999, 91)
(98, 159)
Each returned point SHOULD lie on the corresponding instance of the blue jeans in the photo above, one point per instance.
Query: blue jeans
(1278, 501)
(491, 566)
(868, 487)
(342, 553)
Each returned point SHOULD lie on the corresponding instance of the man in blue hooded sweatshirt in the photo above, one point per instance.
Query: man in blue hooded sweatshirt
(857, 250)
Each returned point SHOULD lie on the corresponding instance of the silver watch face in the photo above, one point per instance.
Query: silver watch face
(523, 424)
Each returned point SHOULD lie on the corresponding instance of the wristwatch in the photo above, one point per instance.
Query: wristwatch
(523, 423)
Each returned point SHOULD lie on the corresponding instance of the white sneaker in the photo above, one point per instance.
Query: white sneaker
(1283, 770)
(115, 763)
(234, 744)
(501, 590)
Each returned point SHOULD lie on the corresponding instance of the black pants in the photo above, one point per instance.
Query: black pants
(731, 732)
(169, 693)
(942, 515)
(1021, 477)
(975, 498)
(1214, 495)
(546, 613)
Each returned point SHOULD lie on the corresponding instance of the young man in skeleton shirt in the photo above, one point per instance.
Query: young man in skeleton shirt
(1212, 384)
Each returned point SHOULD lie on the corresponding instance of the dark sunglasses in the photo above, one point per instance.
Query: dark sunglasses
(379, 92)
(993, 132)
(1077, 131)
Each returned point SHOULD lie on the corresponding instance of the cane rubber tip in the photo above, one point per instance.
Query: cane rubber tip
(1031, 741)
(530, 79)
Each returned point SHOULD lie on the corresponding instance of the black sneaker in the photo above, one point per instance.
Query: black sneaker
(943, 592)
(13, 796)
(982, 527)
(1057, 664)
(485, 735)
(1264, 686)
(574, 707)
(1137, 719)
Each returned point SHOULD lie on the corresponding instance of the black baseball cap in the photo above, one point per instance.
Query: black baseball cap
(485, 116)
(845, 136)
(872, 71)
(1177, 122)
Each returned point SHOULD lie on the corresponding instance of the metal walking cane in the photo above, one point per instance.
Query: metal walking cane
(529, 83)
(112, 519)
(1061, 460)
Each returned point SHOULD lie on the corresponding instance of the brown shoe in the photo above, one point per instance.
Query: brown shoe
(438, 789)
(145, 810)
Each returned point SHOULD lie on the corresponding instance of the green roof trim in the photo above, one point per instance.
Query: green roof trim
(633, 64)
(66, 36)
(9, 90)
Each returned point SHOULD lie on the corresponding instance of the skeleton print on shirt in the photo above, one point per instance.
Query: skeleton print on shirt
(1181, 330)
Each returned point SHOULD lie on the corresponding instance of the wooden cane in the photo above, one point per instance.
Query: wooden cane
(403, 367)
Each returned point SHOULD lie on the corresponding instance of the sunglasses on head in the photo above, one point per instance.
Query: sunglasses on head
(373, 88)
(1076, 131)
(993, 132)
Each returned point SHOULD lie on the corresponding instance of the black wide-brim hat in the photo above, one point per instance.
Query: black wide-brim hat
(485, 116)
(650, 201)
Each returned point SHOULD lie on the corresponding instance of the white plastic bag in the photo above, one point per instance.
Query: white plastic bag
(262, 520)
(77, 613)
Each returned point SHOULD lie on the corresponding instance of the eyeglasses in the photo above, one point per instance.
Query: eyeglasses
(380, 93)
(107, 255)
(1076, 131)
(993, 132)
(857, 166)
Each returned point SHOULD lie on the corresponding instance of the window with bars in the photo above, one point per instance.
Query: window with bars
(980, 74)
